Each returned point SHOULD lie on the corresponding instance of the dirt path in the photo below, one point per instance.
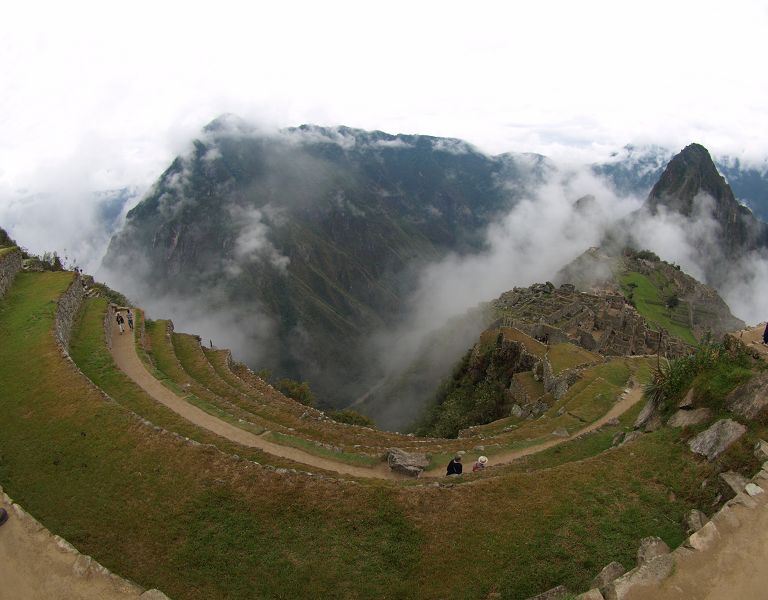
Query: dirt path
(735, 566)
(34, 567)
(627, 401)
(124, 353)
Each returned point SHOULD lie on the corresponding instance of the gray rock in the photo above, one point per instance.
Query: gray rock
(610, 572)
(749, 400)
(593, 594)
(650, 548)
(753, 489)
(687, 402)
(614, 422)
(407, 463)
(561, 432)
(761, 449)
(517, 411)
(646, 415)
(649, 573)
(717, 438)
(689, 418)
(554, 594)
(694, 520)
(735, 481)
(631, 437)
(617, 438)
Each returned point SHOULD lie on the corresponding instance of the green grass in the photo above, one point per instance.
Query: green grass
(197, 524)
(650, 302)
(533, 388)
(567, 356)
(7, 250)
(183, 518)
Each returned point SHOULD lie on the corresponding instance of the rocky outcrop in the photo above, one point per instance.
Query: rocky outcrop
(749, 400)
(10, 264)
(716, 439)
(689, 418)
(66, 311)
(407, 463)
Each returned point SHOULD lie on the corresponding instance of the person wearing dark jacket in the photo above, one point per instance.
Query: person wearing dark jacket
(455, 467)
(765, 334)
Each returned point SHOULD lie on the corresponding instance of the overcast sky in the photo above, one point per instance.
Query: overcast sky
(100, 95)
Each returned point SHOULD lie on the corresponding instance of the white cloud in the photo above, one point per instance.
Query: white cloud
(96, 97)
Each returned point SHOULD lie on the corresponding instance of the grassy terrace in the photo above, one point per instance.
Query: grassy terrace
(567, 356)
(90, 353)
(196, 374)
(163, 355)
(198, 524)
(648, 296)
(6, 250)
(185, 519)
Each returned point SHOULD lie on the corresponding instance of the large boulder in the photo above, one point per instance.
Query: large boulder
(689, 418)
(749, 400)
(407, 463)
(717, 438)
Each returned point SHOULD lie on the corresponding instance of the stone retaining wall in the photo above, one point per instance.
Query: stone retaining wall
(66, 311)
(10, 264)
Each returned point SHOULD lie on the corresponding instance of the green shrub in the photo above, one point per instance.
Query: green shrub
(299, 391)
(351, 417)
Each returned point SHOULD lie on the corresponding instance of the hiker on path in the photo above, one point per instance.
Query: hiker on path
(120, 321)
(3, 516)
(480, 464)
(455, 467)
(210, 342)
(129, 314)
(765, 334)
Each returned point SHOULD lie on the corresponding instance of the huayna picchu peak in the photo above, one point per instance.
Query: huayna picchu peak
(692, 187)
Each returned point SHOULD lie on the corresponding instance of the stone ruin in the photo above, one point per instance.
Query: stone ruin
(600, 322)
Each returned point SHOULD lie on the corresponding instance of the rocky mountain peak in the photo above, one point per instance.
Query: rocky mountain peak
(689, 175)
(692, 187)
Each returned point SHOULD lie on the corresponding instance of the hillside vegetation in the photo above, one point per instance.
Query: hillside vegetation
(203, 520)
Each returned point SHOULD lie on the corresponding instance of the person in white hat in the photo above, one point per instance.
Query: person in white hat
(480, 464)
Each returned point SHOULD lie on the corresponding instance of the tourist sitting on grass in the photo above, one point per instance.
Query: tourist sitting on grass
(480, 464)
(455, 467)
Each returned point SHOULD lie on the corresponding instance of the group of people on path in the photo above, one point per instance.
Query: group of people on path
(121, 320)
(455, 467)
